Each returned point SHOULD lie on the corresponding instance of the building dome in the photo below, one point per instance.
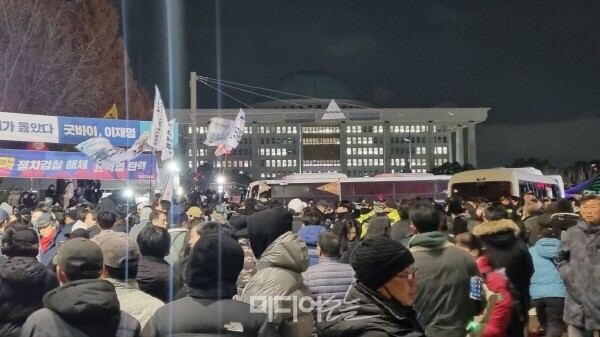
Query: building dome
(309, 83)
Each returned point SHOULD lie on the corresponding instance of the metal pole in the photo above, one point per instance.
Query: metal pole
(409, 155)
(300, 140)
(193, 123)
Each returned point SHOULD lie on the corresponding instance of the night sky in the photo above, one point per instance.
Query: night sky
(535, 63)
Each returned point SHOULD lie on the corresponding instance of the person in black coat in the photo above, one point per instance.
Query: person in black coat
(84, 305)
(213, 268)
(23, 280)
(379, 304)
(507, 250)
(154, 275)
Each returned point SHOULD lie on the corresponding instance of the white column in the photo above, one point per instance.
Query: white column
(471, 147)
(460, 151)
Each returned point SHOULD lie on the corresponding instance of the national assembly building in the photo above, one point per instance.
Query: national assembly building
(287, 135)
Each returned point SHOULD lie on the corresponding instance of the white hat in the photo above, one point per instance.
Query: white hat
(297, 205)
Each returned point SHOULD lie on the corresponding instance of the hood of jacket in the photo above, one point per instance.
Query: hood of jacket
(23, 272)
(547, 248)
(287, 252)
(493, 227)
(310, 234)
(266, 226)
(86, 303)
(428, 240)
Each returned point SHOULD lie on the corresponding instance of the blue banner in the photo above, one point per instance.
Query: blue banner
(119, 132)
(72, 130)
(71, 165)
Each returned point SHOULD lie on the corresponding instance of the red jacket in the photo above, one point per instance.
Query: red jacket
(501, 312)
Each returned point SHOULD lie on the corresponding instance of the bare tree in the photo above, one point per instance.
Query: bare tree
(65, 58)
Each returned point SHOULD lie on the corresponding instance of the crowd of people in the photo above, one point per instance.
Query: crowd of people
(209, 267)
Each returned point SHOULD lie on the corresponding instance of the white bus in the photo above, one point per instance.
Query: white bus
(389, 186)
(494, 183)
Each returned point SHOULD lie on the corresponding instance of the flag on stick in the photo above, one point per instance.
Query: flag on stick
(112, 113)
(225, 134)
(333, 188)
(161, 134)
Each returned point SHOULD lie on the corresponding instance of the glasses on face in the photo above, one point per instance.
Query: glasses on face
(409, 275)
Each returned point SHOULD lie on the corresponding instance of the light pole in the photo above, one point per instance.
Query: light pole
(409, 154)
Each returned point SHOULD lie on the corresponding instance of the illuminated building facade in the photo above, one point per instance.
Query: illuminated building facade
(286, 136)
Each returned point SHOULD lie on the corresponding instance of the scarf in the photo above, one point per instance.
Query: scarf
(45, 241)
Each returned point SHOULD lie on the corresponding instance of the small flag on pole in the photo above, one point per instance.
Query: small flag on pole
(333, 188)
(333, 111)
(112, 113)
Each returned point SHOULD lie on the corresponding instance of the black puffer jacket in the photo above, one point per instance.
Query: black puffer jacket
(154, 278)
(85, 308)
(207, 313)
(366, 314)
(23, 283)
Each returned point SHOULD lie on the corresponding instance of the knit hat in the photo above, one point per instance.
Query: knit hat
(266, 226)
(378, 259)
(79, 255)
(215, 259)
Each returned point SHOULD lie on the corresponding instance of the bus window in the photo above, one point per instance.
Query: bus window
(491, 190)
(372, 188)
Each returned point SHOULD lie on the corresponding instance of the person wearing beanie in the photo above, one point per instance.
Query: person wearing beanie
(445, 273)
(282, 257)
(23, 280)
(208, 309)
(84, 305)
(380, 302)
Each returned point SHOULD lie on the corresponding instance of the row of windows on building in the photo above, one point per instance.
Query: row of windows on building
(276, 174)
(318, 163)
(393, 128)
(403, 162)
(278, 163)
(331, 129)
(365, 162)
(232, 163)
(320, 141)
(204, 129)
(379, 162)
(276, 152)
(278, 129)
(351, 151)
(321, 130)
(277, 141)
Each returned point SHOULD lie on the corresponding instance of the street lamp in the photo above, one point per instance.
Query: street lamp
(409, 154)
